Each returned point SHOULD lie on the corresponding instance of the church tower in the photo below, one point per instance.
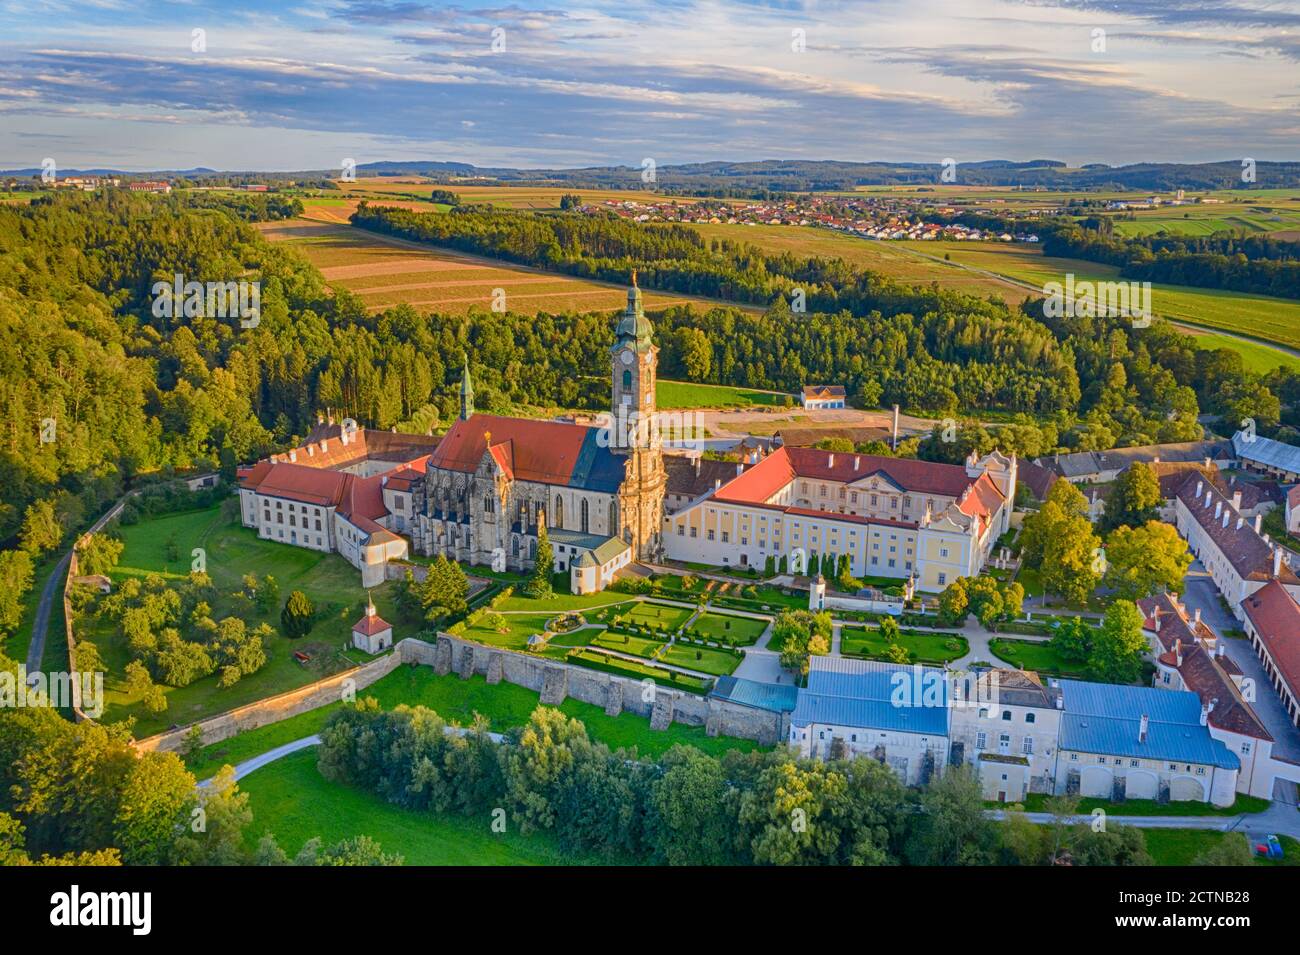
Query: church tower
(466, 394)
(634, 360)
(635, 424)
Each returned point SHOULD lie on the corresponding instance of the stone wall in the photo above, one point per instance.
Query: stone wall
(553, 680)
(284, 705)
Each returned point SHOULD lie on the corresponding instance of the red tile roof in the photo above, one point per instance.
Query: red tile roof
(324, 447)
(542, 451)
(1276, 618)
(371, 624)
(821, 392)
(1293, 498)
(358, 500)
(1249, 555)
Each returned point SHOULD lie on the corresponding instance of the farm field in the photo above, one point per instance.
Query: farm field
(163, 545)
(537, 198)
(1258, 316)
(878, 256)
(385, 272)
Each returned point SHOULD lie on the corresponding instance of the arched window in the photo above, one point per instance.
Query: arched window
(586, 520)
(627, 381)
(559, 511)
(489, 505)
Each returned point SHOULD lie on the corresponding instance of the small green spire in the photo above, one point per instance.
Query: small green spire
(466, 394)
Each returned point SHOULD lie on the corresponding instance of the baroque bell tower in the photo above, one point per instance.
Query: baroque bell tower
(636, 432)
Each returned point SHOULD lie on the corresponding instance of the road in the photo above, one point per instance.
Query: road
(41, 623)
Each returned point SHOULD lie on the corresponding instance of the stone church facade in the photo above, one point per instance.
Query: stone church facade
(494, 481)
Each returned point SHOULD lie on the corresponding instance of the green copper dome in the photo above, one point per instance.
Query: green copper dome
(634, 327)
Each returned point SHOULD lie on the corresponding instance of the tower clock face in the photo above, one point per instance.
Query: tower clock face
(627, 357)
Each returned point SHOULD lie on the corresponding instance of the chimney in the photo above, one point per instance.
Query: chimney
(324, 445)
(1240, 520)
(1143, 725)
(1207, 498)
(697, 467)
(1178, 653)
(293, 455)
(1207, 464)
(856, 461)
(1236, 501)
(830, 460)
(717, 483)
(1219, 651)
(1218, 509)
(1277, 561)
(1196, 621)
(1258, 519)
(1200, 486)
(740, 468)
(1225, 520)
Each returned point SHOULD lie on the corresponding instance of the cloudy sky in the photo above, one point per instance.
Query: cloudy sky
(130, 84)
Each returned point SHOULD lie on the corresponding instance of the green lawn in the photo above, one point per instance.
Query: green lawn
(1037, 802)
(505, 704)
(231, 551)
(742, 631)
(639, 671)
(560, 602)
(1029, 655)
(521, 626)
(701, 659)
(685, 395)
(628, 643)
(648, 614)
(923, 647)
(1180, 847)
(292, 800)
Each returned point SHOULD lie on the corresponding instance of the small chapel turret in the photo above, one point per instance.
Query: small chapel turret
(466, 394)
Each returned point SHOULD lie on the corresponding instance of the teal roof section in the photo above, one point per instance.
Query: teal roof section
(777, 697)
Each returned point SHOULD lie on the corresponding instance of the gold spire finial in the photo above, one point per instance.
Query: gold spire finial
(634, 285)
(487, 438)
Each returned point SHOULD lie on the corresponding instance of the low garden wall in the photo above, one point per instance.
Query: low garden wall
(553, 680)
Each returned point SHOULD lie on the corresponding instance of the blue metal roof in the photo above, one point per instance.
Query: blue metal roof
(883, 696)
(1266, 451)
(869, 714)
(777, 697)
(1106, 719)
(598, 468)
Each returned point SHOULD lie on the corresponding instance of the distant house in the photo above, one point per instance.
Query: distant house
(1267, 456)
(150, 185)
(1037, 478)
(822, 396)
(1293, 510)
(372, 633)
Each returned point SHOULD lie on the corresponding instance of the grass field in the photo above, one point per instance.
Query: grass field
(883, 257)
(231, 551)
(1258, 316)
(627, 643)
(386, 272)
(291, 799)
(683, 394)
(521, 626)
(1180, 847)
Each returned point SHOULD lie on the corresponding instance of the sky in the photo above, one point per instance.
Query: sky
(308, 84)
